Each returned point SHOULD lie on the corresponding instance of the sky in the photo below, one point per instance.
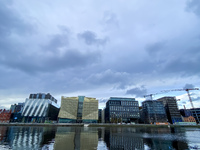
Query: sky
(99, 49)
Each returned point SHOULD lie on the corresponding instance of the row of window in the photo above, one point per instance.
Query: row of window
(129, 103)
(117, 108)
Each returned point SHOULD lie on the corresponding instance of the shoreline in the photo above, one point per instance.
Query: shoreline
(95, 125)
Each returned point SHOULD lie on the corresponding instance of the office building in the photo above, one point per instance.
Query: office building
(185, 112)
(16, 111)
(40, 108)
(171, 108)
(196, 114)
(153, 112)
(78, 109)
(121, 110)
(100, 116)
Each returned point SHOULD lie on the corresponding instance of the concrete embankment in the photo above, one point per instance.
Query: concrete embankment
(95, 125)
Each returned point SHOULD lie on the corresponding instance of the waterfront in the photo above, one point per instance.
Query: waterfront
(101, 138)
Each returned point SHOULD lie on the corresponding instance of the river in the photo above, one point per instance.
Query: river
(101, 138)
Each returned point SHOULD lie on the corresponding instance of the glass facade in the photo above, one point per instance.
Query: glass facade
(171, 108)
(121, 110)
(153, 112)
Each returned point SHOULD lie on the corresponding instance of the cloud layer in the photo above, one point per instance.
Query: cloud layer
(98, 49)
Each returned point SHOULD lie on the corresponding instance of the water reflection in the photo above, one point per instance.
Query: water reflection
(18, 138)
(164, 138)
(76, 138)
(89, 138)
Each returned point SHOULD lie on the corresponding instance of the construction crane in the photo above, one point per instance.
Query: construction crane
(151, 95)
(187, 90)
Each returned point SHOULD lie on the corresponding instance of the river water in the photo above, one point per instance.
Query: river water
(101, 138)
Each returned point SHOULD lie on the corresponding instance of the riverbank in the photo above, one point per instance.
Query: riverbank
(95, 125)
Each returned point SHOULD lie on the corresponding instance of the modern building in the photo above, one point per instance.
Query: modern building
(185, 112)
(100, 116)
(121, 110)
(103, 116)
(196, 114)
(79, 109)
(153, 112)
(16, 111)
(40, 108)
(171, 108)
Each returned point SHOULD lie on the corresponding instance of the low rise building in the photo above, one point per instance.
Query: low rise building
(189, 119)
(5, 115)
(79, 109)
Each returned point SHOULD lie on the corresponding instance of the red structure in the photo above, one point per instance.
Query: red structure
(5, 115)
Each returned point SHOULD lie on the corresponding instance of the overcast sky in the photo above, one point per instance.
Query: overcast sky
(99, 49)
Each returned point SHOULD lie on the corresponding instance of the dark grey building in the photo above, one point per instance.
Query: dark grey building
(99, 115)
(171, 108)
(16, 111)
(153, 112)
(121, 110)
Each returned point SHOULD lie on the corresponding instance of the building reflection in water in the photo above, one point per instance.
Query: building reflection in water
(33, 138)
(71, 138)
(88, 138)
(123, 138)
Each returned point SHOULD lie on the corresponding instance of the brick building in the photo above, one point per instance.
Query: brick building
(5, 115)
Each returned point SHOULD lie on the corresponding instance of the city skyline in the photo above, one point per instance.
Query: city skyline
(99, 49)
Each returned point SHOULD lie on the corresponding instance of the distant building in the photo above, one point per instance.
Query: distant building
(171, 108)
(185, 112)
(196, 114)
(40, 108)
(189, 119)
(121, 110)
(103, 116)
(100, 116)
(78, 109)
(5, 115)
(16, 111)
(153, 112)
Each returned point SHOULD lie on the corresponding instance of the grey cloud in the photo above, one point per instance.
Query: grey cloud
(138, 91)
(71, 58)
(110, 19)
(11, 22)
(194, 6)
(90, 38)
(109, 77)
(188, 86)
(156, 48)
(53, 56)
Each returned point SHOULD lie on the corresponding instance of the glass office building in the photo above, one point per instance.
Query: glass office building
(40, 108)
(79, 109)
(171, 108)
(153, 112)
(121, 110)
